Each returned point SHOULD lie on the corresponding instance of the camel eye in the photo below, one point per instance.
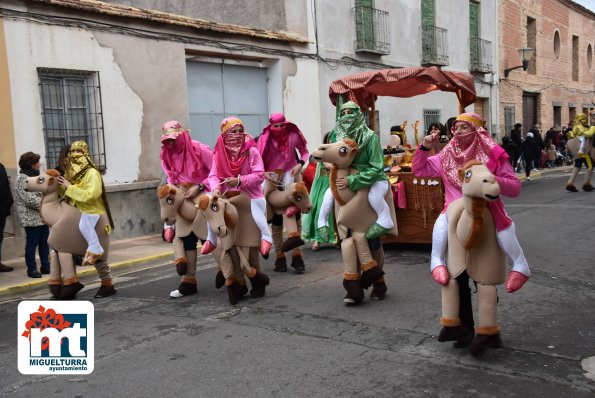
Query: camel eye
(170, 200)
(298, 198)
(343, 151)
(214, 207)
(40, 179)
(468, 174)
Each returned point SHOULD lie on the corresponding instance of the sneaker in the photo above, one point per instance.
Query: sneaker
(528, 178)
(5, 268)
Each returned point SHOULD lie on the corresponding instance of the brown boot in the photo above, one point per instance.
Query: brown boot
(378, 290)
(106, 289)
(259, 283)
(71, 287)
(371, 272)
(187, 286)
(482, 342)
(355, 293)
(280, 264)
(297, 262)
(55, 286)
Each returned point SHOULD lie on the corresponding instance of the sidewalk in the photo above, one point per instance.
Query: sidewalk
(535, 174)
(123, 253)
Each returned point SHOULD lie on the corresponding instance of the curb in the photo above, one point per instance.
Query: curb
(25, 286)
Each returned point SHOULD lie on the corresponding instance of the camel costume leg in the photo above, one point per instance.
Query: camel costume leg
(570, 184)
(233, 277)
(55, 281)
(277, 233)
(452, 328)
(258, 280)
(370, 270)
(71, 282)
(488, 331)
(379, 286)
(186, 264)
(181, 262)
(351, 276)
(297, 258)
(587, 187)
(105, 274)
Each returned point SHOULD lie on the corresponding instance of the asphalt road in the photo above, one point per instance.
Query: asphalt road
(301, 341)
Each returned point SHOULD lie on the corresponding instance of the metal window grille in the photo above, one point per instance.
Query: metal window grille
(481, 55)
(71, 110)
(434, 45)
(508, 119)
(431, 116)
(376, 116)
(372, 30)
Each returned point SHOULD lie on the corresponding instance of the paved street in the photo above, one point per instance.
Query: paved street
(300, 340)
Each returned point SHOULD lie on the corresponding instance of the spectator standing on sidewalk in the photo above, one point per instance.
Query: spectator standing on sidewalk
(5, 204)
(540, 144)
(552, 155)
(530, 152)
(28, 204)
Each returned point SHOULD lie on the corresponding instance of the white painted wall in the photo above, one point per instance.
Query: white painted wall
(31, 46)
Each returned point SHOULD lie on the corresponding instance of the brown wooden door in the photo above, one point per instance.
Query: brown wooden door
(529, 111)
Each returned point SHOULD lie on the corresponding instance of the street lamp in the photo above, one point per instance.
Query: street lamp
(525, 54)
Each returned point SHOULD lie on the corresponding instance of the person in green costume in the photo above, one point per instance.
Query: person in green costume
(319, 187)
(369, 162)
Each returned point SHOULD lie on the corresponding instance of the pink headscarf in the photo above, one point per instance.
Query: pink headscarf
(231, 150)
(476, 145)
(181, 161)
(279, 134)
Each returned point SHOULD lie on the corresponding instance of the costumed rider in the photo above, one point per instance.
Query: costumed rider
(471, 142)
(237, 166)
(277, 146)
(185, 162)
(585, 135)
(83, 188)
(369, 162)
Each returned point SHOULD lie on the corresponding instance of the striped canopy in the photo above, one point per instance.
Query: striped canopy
(364, 87)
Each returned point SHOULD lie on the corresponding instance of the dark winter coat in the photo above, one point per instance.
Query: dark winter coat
(530, 149)
(5, 193)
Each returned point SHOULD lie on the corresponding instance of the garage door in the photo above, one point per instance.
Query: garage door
(217, 91)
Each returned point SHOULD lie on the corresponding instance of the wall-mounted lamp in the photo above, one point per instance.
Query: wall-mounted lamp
(525, 54)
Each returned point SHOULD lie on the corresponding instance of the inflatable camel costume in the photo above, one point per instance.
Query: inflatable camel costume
(66, 239)
(473, 247)
(355, 216)
(580, 143)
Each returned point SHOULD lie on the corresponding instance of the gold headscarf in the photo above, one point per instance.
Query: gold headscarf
(78, 163)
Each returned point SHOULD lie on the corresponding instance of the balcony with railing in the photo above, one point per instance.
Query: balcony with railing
(372, 30)
(434, 45)
(481, 55)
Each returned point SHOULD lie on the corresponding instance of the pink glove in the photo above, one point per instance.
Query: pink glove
(440, 275)
(515, 281)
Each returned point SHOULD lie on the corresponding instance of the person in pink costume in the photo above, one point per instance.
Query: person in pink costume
(183, 159)
(237, 166)
(472, 142)
(277, 145)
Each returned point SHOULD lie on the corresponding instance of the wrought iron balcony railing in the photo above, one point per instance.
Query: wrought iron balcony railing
(434, 45)
(372, 30)
(481, 55)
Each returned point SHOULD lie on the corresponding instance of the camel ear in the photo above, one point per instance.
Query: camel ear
(229, 221)
(203, 202)
(353, 152)
(51, 181)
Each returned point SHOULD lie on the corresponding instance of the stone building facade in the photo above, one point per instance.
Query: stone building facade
(560, 79)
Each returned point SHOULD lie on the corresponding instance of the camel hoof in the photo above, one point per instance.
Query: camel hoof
(461, 335)
(297, 262)
(55, 291)
(292, 243)
(105, 291)
(259, 283)
(378, 291)
(181, 267)
(219, 280)
(482, 342)
(280, 265)
(68, 292)
(355, 293)
(370, 276)
(187, 288)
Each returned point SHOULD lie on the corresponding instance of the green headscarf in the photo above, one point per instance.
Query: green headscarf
(353, 126)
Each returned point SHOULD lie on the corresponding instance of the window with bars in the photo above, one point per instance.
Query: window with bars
(431, 116)
(508, 119)
(372, 28)
(71, 110)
